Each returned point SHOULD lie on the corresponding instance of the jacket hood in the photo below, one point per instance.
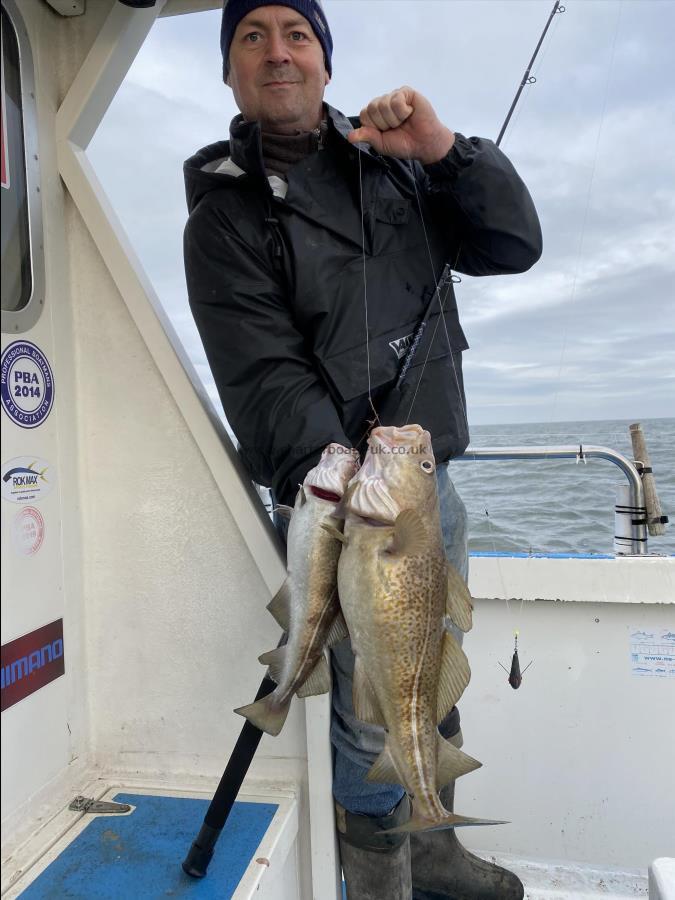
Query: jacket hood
(220, 165)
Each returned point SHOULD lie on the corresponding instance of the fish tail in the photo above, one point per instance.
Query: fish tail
(267, 714)
(438, 823)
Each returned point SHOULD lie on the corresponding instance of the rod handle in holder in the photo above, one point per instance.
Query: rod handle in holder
(199, 855)
(656, 521)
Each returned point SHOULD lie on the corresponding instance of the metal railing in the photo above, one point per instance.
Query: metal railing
(638, 541)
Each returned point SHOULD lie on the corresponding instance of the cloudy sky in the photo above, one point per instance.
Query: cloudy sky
(589, 333)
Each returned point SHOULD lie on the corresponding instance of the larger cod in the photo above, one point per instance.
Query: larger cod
(396, 587)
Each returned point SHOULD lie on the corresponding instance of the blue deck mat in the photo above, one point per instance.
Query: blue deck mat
(138, 856)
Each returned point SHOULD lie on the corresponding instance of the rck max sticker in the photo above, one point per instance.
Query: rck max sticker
(26, 479)
(26, 384)
(30, 662)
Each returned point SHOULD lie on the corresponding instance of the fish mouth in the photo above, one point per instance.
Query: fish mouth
(398, 439)
(325, 495)
(330, 477)
(371, 498)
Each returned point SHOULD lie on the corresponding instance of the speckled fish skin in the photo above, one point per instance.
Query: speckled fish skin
(394, 596)
(307, 606)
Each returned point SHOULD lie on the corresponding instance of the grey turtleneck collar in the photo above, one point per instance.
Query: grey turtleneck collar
(281, 151)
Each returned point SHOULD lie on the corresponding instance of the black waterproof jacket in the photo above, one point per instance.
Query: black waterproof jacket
(277, 288)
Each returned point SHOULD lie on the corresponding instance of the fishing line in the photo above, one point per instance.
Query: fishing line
(527, 79)
(454, 368)
(582, 236)
(452, 278)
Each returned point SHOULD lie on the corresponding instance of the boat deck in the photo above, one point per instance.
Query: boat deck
(137, 854)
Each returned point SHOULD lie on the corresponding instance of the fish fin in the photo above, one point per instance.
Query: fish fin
(318, 680)
(341, 510)
(366, 707)
(383, 770)
(410, 535)
(275, 660)
(333, 532)
(283, 510)
(458, 604)
(451, 762)
(453, 677)
(420, 823)
(280, 605)
(337, 631)
(265, 714)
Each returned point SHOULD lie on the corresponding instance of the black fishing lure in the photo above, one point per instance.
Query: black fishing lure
(515, 675)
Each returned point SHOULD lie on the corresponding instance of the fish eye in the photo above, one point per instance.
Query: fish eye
(426, 465)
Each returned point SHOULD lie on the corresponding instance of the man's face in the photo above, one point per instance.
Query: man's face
(277, 71)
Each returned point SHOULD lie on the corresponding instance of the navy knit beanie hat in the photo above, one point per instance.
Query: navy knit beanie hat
(235, 10)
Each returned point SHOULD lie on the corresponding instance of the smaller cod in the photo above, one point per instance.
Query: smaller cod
(306, 606)
(396, 586)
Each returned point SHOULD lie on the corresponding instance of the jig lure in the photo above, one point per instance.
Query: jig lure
(515, 675)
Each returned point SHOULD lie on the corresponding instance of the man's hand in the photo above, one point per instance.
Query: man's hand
(403, 124)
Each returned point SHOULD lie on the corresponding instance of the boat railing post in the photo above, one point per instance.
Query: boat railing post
(638, 534)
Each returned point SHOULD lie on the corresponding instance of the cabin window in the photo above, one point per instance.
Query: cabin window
(22, 295)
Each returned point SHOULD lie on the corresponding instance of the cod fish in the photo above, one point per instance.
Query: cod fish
(307, 606)
(396, 586)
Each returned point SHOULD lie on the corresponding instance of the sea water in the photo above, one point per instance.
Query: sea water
(559, 506)
(556, 506)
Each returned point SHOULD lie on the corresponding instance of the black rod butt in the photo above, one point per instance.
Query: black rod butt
(200, 853)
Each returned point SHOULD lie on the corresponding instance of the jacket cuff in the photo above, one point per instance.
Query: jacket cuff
(461, 155)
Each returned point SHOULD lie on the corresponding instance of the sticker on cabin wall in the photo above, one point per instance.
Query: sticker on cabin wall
(26, 479)
(28, 531)
(30, 662)
(652, 653)
(26, 384)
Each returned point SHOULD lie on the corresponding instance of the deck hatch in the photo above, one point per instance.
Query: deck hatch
(139, 855)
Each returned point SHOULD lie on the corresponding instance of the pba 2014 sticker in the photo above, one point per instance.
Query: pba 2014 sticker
(28, 531)
(26, 384)
(26, 479)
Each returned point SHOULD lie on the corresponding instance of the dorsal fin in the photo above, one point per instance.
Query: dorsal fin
(453, 676)
(458, 606)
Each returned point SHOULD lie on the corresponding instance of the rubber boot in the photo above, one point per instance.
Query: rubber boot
(444, 870)
(375, 866)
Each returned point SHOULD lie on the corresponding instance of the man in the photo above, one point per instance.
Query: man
(312, 250)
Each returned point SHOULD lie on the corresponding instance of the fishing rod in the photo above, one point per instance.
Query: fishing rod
(527, 78)
(200, 853)
(391, 402)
